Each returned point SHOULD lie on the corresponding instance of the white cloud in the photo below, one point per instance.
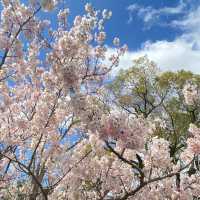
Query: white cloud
(174, 55)
(149, 14)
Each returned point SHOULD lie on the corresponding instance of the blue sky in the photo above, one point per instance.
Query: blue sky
(129, 25)
(167, 31)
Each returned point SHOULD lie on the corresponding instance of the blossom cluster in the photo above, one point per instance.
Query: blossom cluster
(190, 92)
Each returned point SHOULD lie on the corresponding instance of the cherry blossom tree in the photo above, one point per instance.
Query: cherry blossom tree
(62, 137)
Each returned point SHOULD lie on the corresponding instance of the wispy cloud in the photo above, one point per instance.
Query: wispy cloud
(190, 22)
(150, 15)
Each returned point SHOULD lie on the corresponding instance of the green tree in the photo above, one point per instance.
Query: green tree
(144, 90)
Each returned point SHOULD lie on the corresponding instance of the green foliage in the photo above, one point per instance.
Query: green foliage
(179, 79)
